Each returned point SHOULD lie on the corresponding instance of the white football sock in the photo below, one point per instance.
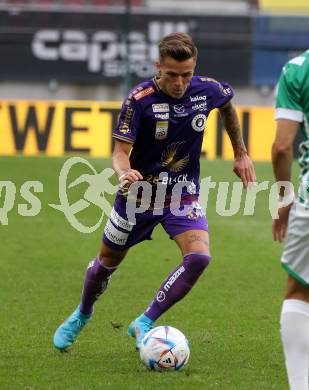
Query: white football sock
(295, 338)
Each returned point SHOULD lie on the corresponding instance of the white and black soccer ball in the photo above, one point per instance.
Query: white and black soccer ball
(165, 348)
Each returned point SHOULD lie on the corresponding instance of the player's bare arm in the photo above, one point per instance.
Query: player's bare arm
(282, 149)
(121, 163)
(282, 157)
(243, 166)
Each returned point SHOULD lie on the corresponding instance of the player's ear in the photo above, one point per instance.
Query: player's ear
(194, 66)
(158, 67)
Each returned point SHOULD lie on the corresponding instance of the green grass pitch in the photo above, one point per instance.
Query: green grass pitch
(230, 317)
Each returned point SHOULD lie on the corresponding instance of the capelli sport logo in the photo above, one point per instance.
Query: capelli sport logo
(102, 51)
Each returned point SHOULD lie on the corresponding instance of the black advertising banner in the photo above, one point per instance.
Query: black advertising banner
(89, 47)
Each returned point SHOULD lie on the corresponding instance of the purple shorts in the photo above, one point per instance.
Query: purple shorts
(121, 234)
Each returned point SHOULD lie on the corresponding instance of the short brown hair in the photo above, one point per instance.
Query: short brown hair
(178, 45)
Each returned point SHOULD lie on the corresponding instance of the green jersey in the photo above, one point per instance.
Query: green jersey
(292, 103)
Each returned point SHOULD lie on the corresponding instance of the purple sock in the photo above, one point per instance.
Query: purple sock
(96, 281)
(177, 284)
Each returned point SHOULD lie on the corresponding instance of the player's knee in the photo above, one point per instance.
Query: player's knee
(295, 290)
(110, 258)
(196, 262)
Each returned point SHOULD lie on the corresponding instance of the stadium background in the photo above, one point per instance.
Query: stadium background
(93, 51)
(65, 66)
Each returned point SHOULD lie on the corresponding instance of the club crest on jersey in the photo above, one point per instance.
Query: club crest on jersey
(161, 130)
(161, 107)
(198, 122)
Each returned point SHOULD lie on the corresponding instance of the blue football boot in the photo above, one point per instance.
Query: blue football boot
(67, 332)
(139, 327)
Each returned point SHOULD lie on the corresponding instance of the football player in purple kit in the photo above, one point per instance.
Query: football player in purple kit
(158, 140)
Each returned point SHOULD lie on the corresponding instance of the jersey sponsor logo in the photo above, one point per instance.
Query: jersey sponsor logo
(143, 93)
(162, 116)
(181, 115)
(161, 130)
(124, 128)
(125, 123)
(173, 278)
(114, 235)
(129, 98)
(168, 180)
(198, 122)
(179, 109)
(198, 98)
(191, 188)
(119, 221)
(200, 107)
(161, 107)
(195, 211)
(226, 91)
(169, 159)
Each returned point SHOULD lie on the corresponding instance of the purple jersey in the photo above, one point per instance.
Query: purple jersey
(167, 133)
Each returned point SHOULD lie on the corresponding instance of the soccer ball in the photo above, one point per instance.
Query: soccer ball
(165, 348)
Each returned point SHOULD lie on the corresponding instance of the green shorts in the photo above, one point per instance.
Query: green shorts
(295, 257)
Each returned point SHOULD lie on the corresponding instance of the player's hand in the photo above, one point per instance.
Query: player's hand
(128, 177)
(244, 169)
(279, 226)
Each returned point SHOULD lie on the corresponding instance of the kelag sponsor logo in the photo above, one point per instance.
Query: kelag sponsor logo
(198, 98)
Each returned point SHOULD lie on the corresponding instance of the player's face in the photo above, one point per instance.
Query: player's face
(175, 76)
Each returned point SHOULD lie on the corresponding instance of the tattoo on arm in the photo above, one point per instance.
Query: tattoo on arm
(232, 126)
(195, 237)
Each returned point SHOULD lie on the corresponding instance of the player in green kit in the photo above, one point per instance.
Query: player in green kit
(292, 114)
